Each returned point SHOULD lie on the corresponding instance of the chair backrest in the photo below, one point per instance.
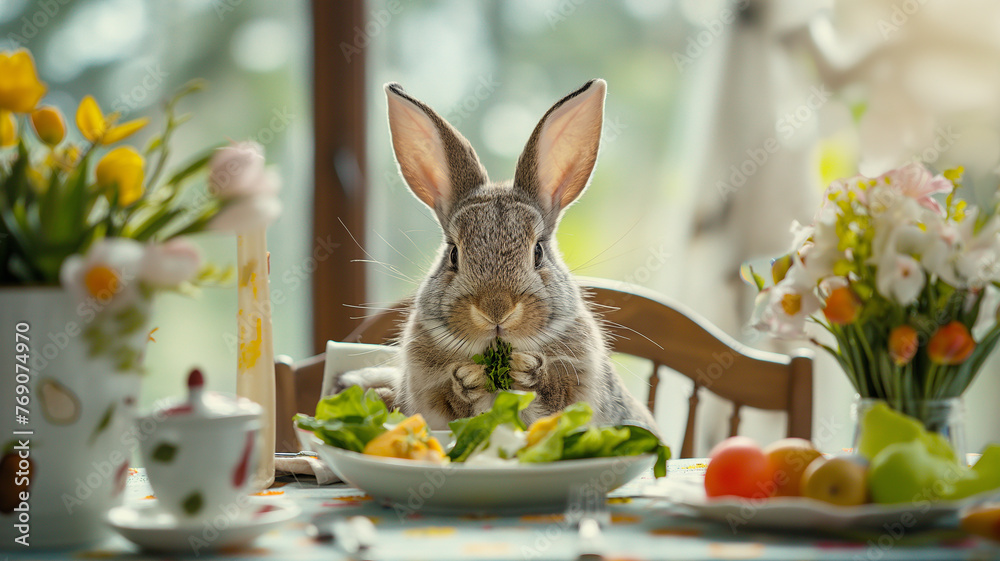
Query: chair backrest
(642, 324)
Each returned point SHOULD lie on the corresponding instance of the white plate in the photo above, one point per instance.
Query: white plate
(411, 485)
(796, 513)
(152, 528)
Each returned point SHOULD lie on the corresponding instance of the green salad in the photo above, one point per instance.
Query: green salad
(566, 435)
(359, 421)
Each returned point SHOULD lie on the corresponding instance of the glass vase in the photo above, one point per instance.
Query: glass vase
(943, 416)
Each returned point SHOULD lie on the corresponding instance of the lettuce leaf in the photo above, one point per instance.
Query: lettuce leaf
(550, 447)
(472, 432)
(593, 442)
(573, 439)
(350, 419)
(642, 441)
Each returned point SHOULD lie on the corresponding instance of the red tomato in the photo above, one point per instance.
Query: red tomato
(738, 467)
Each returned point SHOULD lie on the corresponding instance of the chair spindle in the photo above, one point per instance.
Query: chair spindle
(654, 382)
(734, 419)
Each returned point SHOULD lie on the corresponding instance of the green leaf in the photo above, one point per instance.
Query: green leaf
(573, 439)
(496, 359)
(473, 432)
(16, 187)
(550, 447)
(79, 199)
(153, 224)
(642, 441)
(858, 110)
(349, 419)
(352, 402)
(194, 167)
(593, 442)
(748, 274)
(181, 119)
(154, 143)
(662, 455)
(49, 210)
(20, 244)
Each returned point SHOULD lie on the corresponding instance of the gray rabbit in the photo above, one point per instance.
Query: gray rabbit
(499, 273)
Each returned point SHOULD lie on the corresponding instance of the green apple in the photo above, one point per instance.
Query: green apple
(984, 476)
(907, 472)
(881, 426)
(938, 446)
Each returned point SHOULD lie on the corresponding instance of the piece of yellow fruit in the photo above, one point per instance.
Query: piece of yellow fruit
(983, 521)
(542, 427)
(409, 440)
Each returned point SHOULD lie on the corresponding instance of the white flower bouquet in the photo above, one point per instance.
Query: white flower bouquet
(898, 277)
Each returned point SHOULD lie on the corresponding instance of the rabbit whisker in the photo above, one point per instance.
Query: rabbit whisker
(388, 307)
(391, 270)
(401, 276)
(620, 326)
(414, 244)
(392, 247)
(605, 250)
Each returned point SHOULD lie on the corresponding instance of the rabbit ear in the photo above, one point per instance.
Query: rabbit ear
(559, 158)
(436, 161)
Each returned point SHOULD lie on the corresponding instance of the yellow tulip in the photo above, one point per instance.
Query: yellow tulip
(96, 127)
(8, 129)
(20, 89)
(49, 125)
(122, 169)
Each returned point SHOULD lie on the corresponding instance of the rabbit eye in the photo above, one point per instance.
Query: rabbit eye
(453, 256)
(538, 255)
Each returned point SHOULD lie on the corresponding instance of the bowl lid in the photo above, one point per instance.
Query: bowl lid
(205, 404)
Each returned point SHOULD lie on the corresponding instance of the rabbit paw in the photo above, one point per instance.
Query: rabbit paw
(525, 368)
(469, 382)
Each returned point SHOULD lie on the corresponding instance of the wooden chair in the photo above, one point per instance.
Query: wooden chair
(640, 323)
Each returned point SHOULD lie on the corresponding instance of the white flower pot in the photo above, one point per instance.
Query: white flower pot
(79, 411)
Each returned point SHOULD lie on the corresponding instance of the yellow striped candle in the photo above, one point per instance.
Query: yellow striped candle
(255, 360)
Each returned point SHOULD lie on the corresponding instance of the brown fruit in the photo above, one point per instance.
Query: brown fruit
(787, 460)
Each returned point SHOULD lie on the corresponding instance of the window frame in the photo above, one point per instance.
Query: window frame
(340, 174)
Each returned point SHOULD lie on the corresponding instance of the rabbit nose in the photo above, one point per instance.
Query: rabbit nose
(495, 310)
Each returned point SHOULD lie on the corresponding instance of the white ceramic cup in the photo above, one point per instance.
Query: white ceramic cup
(201, 455)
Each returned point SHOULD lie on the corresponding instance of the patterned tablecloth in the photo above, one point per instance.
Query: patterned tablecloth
(641, 528)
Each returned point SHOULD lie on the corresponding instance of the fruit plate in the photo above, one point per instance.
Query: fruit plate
(800, 513)
(413, 485)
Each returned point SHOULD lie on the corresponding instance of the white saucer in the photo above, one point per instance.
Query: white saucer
(152, 528)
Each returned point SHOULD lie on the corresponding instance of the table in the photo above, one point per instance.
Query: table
(641, 528)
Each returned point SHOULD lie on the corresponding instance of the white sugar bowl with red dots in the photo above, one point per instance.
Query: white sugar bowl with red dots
(201, 453)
